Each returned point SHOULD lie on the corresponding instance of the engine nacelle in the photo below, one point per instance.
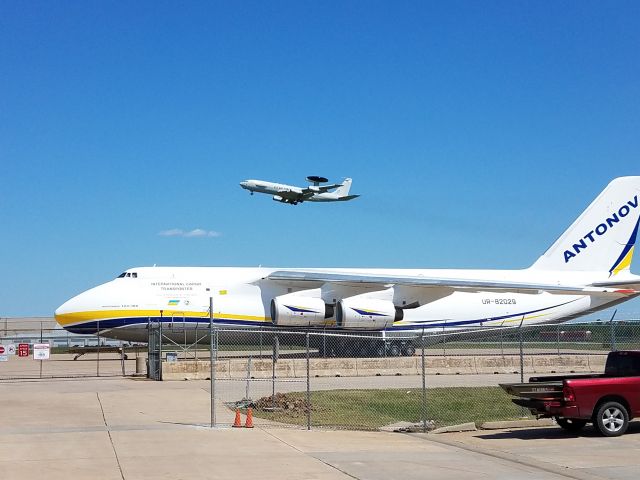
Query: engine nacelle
(366, 314)
(299, 311)
(290, 201)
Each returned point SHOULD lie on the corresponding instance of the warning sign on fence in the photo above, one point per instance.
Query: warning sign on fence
(41, 351)
(23, 349)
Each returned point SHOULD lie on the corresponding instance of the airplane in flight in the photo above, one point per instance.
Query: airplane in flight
(587, 269)
(293, 195)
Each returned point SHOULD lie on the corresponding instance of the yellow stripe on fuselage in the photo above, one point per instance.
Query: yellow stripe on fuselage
(77, 318)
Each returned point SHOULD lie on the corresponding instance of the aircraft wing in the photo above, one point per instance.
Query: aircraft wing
(313, 189)
(318, 277)
(289, 195)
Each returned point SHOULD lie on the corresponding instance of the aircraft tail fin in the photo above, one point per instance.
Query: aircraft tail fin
(602, 238)
(343, 191)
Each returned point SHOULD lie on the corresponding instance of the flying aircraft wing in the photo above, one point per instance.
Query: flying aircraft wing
(313, 189)
(318, 277)
(289, 195)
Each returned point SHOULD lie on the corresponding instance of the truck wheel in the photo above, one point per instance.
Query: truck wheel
(612, 419)
(571, 424)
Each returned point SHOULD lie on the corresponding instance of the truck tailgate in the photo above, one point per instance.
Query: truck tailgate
(538, 390)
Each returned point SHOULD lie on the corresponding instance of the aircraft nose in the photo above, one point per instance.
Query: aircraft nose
(64, 312)
(244, 184)
(78, 313)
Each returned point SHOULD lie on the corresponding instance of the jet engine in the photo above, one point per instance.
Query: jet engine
(366, 314)
(278, 198)
(299, 311)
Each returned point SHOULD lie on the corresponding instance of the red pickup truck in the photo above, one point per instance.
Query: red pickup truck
(607, 400)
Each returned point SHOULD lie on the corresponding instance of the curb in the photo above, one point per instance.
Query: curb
(544, 422)
(463, 427)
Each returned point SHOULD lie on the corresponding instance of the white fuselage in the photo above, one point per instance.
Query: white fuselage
(241, 297)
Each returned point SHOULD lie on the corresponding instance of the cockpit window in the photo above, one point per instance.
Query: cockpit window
(128, 275)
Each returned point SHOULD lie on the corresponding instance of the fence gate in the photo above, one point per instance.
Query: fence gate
(154, 369)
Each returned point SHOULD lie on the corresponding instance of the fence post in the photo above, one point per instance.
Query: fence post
(122, 357)
(558, 338)
(444, 341)
(274, 359)
(424, 387)
(98, 350)
(613, 336)
(212, 367)
(521, 355)
(246, 393)
(40, 342)
(308, 388)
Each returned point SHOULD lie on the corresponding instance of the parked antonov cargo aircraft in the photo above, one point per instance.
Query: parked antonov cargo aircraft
(294, 195)
(585, 270)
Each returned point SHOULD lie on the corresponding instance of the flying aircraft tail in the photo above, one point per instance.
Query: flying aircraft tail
(602, 239)
(343, 191)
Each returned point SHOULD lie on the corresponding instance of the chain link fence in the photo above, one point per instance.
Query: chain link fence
(329, 380)
(65, 355)
(326, 379)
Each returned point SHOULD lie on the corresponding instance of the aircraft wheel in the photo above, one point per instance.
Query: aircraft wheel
(379, 350)
(395, 350)
(612, 419)
(409, 350)
(364, 350)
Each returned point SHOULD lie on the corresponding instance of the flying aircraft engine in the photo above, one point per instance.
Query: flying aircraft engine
(299, 311)
(278, 198)
(367, 314)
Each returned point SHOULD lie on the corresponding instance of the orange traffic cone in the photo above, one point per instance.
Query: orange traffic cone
(237, 422)
(249, 423)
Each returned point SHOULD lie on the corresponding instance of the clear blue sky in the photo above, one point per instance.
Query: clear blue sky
(474, 131)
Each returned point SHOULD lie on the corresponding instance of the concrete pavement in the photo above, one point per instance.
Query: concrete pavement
(136, 429)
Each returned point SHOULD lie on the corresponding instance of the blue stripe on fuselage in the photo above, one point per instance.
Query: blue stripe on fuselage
(94, 327)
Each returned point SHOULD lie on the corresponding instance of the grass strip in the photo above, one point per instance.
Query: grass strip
(371, 409)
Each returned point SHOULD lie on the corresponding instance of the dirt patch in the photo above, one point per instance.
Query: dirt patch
(284, 403)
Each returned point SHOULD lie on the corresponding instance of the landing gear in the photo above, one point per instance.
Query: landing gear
(354, 347)
(395, 350)
(409, 350)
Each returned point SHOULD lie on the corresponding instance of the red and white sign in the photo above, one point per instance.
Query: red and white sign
(41, 351)
(23, 349)
(1, 349)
